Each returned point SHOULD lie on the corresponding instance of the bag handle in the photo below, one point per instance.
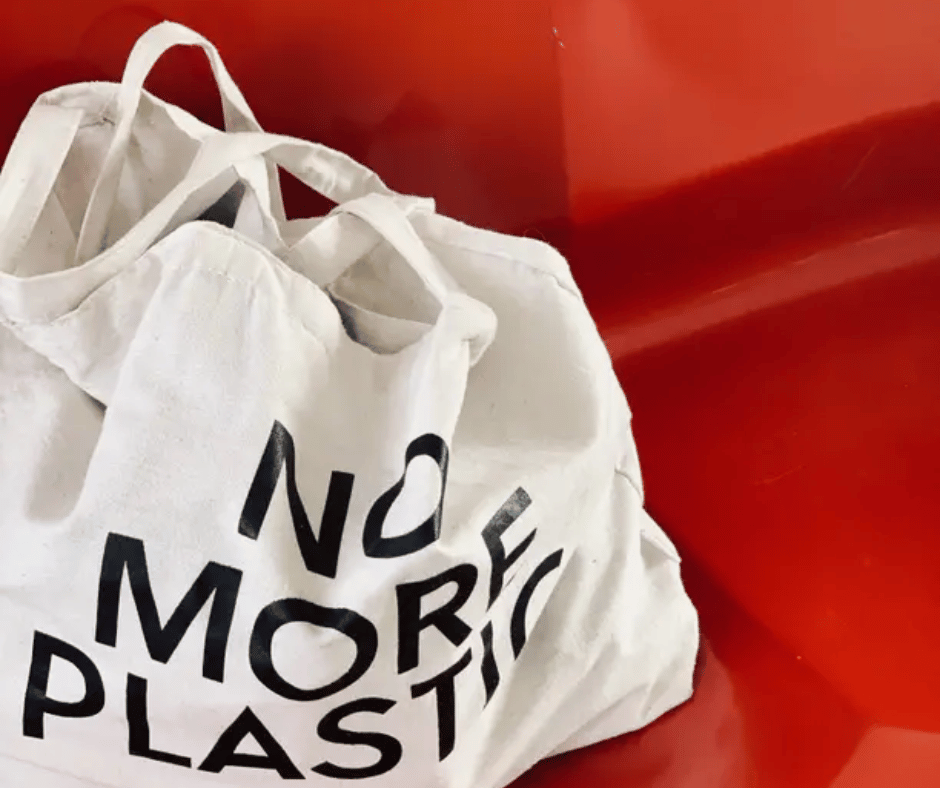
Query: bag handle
(148, 49)
(387, 219)
(329, 172)
(156, 42)
(358, 191)
(43, 298)
(30, 172)
(349, 181)
(461, 315)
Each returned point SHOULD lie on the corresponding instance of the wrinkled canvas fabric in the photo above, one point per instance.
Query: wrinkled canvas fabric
(348, 499)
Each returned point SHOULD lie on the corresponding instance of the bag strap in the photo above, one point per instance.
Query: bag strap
(357, 190)
(43, 298)
(30, 171)
(462, 316)
(330, 172)
(388, 220)
(150, 47)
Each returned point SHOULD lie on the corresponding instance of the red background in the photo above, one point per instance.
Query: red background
(747, 193)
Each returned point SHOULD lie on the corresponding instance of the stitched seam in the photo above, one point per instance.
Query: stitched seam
(291, 316)
(86, 304)
(502, 256)
(210, 272)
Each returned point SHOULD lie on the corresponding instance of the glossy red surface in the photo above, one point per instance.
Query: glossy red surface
(747, 193)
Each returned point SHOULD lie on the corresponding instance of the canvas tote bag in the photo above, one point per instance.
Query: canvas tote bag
(349, 499)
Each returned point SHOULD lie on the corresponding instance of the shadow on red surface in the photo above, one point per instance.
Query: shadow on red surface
(780, 356)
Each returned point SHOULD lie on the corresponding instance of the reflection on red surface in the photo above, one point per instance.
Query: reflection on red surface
(655, 91)
(774, 320)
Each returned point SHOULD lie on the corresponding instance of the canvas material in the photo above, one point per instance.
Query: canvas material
(234, 409)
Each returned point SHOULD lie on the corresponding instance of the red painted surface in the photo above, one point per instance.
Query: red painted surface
(749, 195)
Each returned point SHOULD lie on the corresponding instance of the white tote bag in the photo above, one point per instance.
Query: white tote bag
(347, 499)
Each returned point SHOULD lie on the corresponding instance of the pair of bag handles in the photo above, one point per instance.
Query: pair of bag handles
(356, 189)
(46, 136)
